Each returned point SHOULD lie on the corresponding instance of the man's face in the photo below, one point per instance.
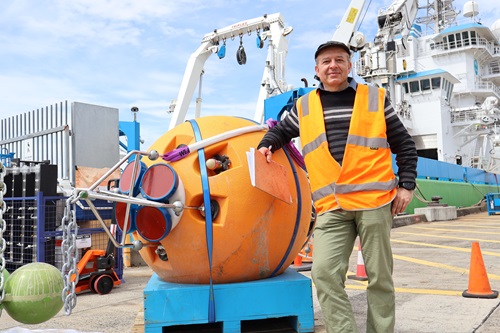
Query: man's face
(332, 67)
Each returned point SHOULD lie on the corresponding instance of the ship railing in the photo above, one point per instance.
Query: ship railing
(473, 42)
(360, 68)
(466, 115)
(493, 68)
(486, 85)
(478, 87)
(403, 109)
(472, 115)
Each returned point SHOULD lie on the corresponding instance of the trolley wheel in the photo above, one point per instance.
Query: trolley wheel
(103, 284)
(91, 283)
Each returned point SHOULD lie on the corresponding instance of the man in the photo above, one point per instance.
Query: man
(348, 131)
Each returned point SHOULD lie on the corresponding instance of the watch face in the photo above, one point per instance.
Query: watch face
(408, 186)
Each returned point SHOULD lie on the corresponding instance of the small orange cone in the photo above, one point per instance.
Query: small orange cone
(303, 260)
(360, 270)
(298, 261)
(479, 285)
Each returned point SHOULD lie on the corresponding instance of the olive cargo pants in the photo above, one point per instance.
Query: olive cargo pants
(334, 236)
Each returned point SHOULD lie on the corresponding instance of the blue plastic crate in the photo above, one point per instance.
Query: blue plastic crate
(104, 207)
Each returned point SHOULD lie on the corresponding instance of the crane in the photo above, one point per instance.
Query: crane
(346, 30)
(377, 62)
(377, 59)
(267, 27)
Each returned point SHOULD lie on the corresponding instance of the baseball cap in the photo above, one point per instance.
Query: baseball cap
(330, 44)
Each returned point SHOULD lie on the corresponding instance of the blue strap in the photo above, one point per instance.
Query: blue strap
(297, 217)
(208, 217)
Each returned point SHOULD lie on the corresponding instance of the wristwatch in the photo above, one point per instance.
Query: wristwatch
(410, 186)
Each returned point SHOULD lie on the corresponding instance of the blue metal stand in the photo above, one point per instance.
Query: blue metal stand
(287, 296)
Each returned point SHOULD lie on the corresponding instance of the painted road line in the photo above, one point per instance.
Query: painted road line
(363, 284)
(461, 249)
(467, 225)
(454, 223)
(433, 264)
(460, 270)
(451, 237)
(458, 231)
(416, 291)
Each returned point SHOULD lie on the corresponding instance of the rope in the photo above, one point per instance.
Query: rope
(366, 11)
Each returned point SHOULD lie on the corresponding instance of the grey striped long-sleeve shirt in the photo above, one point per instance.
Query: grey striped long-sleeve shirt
(337, 109)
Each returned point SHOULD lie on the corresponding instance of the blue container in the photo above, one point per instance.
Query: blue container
(493, 203)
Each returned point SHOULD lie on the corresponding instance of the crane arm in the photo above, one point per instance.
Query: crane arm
(397, 19)
(346, 31)
(270, 27)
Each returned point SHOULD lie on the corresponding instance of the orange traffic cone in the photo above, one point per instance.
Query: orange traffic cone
(479, 286)
(360, 270)
(298, 261)
(303, 260)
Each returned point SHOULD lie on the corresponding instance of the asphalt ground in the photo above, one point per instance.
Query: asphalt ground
(432, 264)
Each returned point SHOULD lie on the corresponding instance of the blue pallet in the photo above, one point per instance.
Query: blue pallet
(288, 296)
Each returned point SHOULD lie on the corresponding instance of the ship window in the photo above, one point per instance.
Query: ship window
(473, 40)
(405, 87)
(445, 43)
(445, 85)
(451, 39)
(435, 82)
(414, 86)
(425, 84)
(449, 92)
(458, 37)
(465, 37)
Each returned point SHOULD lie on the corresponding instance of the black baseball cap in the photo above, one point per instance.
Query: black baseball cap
(330, 44)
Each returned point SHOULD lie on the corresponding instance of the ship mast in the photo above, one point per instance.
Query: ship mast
(440, 14)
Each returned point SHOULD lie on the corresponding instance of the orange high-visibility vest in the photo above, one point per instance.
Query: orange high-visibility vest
(366, 179)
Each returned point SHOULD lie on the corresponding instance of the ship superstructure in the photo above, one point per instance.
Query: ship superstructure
(443, 77)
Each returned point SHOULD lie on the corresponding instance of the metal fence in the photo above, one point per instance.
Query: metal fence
(40, 135)
(64, 134)
(33, 231)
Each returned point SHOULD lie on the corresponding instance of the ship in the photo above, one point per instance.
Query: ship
(442, 73)
(440, 67)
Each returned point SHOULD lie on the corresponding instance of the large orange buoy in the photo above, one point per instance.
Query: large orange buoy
(255, 235)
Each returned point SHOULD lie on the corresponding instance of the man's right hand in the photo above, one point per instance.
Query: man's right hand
(266, 151)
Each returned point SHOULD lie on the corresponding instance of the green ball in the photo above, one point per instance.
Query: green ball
(5, 277)
(33, 293)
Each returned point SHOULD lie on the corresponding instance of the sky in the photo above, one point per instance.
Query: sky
(125, 53)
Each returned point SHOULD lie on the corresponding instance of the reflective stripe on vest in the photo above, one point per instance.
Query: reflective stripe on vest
(366, 180)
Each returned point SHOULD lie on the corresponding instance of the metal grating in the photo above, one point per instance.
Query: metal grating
(40, 135)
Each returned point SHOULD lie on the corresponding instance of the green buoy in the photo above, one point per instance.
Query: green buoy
(5, 277)
(33, 293)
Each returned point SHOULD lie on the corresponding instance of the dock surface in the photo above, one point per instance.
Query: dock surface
(431, 270)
